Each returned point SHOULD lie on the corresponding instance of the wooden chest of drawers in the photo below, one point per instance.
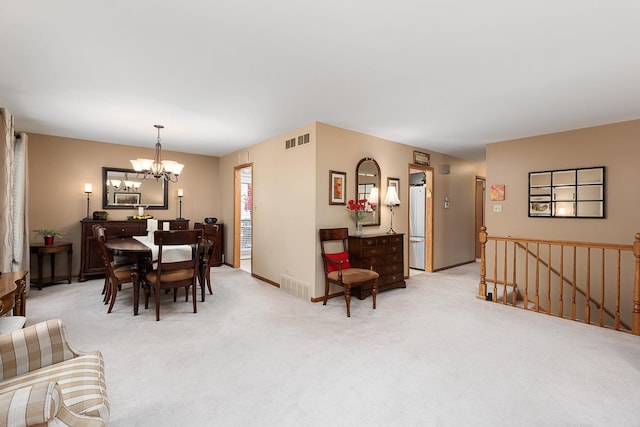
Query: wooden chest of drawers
(387, 252)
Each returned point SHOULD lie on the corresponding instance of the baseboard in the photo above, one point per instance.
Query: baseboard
(453, 266)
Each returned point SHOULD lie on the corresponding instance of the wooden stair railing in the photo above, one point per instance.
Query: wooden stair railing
(625, 287)
(566, 281)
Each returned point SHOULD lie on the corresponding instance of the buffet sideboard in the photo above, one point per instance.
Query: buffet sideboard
(91, 265)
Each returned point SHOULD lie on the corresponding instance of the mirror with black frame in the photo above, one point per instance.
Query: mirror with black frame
(125, 189)
(367, 187)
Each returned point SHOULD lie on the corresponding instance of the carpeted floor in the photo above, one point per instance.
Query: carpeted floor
(431, 354)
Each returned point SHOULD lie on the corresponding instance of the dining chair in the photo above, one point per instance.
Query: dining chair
(207, 249)
(337, 267)
(115, 275)
(210, 235)
(172, 273)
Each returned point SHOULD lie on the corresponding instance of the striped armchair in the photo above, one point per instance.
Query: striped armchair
(44, 382)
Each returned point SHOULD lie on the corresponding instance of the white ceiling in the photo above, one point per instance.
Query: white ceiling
(445, 75)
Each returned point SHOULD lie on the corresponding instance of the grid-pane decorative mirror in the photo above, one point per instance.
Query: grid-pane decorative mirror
(567, 193)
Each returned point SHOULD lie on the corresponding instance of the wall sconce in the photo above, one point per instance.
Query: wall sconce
(180, 194)
(88, 189)
(391, 200)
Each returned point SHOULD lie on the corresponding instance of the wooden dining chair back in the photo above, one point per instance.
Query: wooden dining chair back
(115, 275)
(210, 235)
(172, 273)
(337, 266)
(206, 259)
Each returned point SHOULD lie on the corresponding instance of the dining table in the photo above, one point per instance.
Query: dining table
(140, 251)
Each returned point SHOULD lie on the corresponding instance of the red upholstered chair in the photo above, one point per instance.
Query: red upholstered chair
(338, 270)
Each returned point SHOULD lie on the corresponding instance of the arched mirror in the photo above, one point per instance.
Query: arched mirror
(367, 186)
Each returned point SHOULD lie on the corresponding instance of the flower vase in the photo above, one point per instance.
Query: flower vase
(358, 228)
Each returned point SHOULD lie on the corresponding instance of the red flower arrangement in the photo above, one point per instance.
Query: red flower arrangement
(358, 209)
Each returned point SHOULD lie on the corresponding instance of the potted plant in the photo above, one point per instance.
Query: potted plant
(48, 235)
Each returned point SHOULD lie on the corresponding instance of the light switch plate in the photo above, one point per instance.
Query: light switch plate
(497, 208)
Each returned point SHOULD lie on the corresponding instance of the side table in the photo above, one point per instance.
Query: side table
(40, 249)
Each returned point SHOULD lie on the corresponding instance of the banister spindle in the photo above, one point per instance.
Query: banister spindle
(537, 297)
(617, 315)
(504, 274)
(561, 290)
(573, 285)
(635, 316)
(549, 278)
(514, 294)
(526, 276)
(495, 271)
(602, 290)
(587, 307)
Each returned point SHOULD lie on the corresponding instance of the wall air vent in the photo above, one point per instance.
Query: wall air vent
(303, 139)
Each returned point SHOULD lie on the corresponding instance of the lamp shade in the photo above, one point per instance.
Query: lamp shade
(88, 188)
(373, 196)
(392, 196)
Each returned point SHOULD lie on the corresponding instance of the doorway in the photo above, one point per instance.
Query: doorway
(420, 218)
(243, 217)
(480, 194)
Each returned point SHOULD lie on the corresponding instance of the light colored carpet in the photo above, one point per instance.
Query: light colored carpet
(431, 354)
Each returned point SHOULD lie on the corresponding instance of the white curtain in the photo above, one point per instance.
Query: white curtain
(14, 185)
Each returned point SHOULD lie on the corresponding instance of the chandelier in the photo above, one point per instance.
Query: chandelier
(158, 168)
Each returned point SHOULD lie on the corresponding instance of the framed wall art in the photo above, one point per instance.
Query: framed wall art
(421, 158)
(337, 185)
(126, 198)
(497, 192)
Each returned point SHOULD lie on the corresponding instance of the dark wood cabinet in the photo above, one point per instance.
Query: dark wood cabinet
(91, 265)
(174, 224)
(213, 232)
(90, 261)
(387, 252)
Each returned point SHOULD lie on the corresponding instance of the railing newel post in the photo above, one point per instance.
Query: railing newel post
(635, 316)
(482, 286)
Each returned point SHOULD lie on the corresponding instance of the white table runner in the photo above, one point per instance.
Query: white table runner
(169, 253)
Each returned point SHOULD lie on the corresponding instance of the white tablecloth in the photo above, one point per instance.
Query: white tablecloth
(169, 253)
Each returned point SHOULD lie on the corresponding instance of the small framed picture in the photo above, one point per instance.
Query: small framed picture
(394, 182)
(126, 198)
(421, 158)
(337, 185)
(497, 192)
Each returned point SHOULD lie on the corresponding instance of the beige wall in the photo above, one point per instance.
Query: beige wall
(283, 205)
(615, 146)
(291, 194)
(59, 168)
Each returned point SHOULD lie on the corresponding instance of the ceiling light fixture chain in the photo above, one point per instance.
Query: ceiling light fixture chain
(157, 168)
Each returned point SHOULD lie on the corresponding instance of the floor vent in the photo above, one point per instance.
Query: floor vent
(293, 286)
